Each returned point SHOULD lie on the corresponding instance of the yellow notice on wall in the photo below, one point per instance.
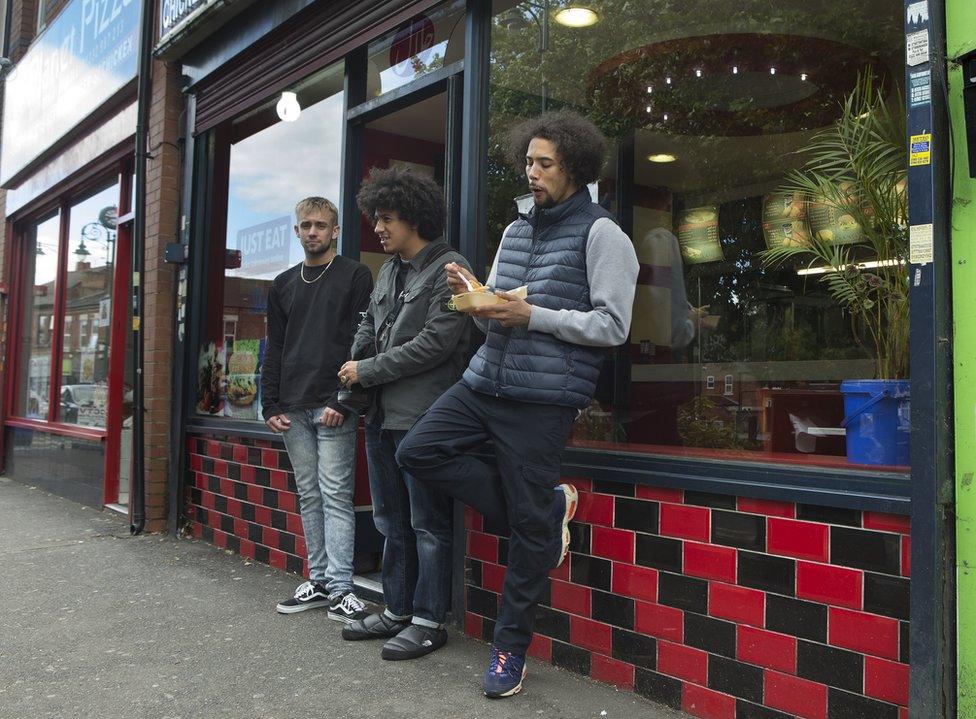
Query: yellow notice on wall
(920, 152)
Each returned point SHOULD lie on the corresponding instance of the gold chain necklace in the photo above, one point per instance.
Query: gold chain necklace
(308, 282)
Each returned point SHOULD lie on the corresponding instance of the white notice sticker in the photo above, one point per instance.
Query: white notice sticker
(917, 47)
(918, 12)
(920, 244)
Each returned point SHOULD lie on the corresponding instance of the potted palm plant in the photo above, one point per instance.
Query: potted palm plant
(856, 171)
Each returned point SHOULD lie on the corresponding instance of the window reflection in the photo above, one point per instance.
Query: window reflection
(271, 166)
(706, 108)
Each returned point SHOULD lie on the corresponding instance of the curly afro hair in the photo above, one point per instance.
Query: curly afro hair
(579, 144)
(415, 198)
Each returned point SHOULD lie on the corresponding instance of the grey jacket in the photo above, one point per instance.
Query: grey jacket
(423, 353)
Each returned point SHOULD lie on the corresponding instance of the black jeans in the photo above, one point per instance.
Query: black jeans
(516, 490)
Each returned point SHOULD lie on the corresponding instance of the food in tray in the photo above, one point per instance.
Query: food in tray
(483, 297)
(241, 390)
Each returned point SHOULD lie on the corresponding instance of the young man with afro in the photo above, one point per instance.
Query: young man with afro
(410, 348)
(536, 370)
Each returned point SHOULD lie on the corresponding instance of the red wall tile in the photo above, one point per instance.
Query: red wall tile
(540, 647)
(710, 561)
(562, 571)
(766, 506)
(737, 604)
(293, 522)
(659, 621)
(661, 494)
(595, 508)
(887, 522)
(796, 696)
(766, 649)
(262, 515)
(831, 585)
(483, 546)
(803, 540)
(473, 520)
(701, 702)
(683, 662)
(616, 544)
(887, 681)
(906, 556)
(278, 559)
(492, 577)
(637, 582)
(685, 521)
(472, 625)
(566, 597)
(865, 633)
(614, 672)
(269, 458)
(239, 453)
(279, 479)
(589, 634)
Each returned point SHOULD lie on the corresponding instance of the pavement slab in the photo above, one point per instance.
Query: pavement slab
(95, 623)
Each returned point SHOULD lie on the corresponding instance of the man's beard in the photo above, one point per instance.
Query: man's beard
(326, 246)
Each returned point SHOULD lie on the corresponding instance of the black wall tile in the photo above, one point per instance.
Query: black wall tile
(637, 649)
(863, 549)
(234, 544)
(552, 623)
(748, 710)
(731, 677)
(472, 572)
(771, 574)
(484, 603)
(640, 515)
(208, 466)
(261, 553)
(571, 657)
(213, 484)
(831, 666)
(499, 529)
(254, 456)
(292, 487)
(262, 476)
(658, 687)
(208, 534)
(227, 523)
(226, 451)
(659, 552)
(708, 499)
(220, 504)
(612, 609)
(503, 551)
(886, 595)
(234, 470)
(269, 498)
(293, 564)
(745, 531)
(903, 653)
(830, 515)
(621, 489)
(279, 520)
(487, 630)
(286, 543)
(283, 462)
(712, 635)
(843, 705)
(240, 491)
(255, 533)
(591, 571)
(579, 538)
(794, 616)
(688, 593)
(247, 511)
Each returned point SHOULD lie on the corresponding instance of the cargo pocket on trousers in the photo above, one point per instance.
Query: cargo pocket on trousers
(537, 495)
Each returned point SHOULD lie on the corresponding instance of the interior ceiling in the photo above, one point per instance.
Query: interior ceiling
(423, 120)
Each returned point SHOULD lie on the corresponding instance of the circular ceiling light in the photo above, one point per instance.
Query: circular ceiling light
(662, 157)
(288, 108)
(577, 17)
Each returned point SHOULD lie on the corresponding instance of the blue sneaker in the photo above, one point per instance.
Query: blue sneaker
(505, 674)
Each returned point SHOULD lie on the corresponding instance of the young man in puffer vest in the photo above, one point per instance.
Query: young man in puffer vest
(536, 370)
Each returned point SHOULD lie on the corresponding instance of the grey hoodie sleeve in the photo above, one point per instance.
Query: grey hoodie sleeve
(611, 269)
(481, 322)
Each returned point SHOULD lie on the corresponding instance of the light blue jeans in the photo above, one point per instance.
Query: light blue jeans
(324, 461)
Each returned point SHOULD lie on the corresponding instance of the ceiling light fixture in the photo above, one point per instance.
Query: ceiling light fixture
(861, 265)
(735, 69)
(772, 71)
(662, 157)
(665, 117)
(667, 80)
(698, 73)
(577, 17)
(803, 76)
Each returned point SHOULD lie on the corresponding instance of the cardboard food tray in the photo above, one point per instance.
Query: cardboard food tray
(467, 301)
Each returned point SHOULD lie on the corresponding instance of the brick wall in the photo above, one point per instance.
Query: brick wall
(723, 607)
(162, 227)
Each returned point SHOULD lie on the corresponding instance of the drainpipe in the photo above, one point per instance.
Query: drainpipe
(138, 268)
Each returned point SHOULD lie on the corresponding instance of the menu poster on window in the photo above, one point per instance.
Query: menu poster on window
(93, 412)
(833, 224)
(265, 247)
(211, 366)
(243, 380)
(698, 235)
(785, 220)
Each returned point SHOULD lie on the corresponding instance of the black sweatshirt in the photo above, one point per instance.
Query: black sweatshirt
(310, 330)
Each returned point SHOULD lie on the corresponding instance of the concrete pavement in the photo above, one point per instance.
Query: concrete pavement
(97, 624)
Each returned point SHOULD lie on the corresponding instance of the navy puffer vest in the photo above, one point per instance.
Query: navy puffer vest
(545, 250)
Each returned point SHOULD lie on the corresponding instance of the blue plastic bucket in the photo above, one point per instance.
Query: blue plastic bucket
(877, 420)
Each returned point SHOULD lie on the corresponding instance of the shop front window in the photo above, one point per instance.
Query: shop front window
(714, 111)
(41, 250)
(423, 44)
(92, 234)
(270, 165)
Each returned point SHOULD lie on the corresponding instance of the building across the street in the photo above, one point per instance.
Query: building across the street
(775, 474)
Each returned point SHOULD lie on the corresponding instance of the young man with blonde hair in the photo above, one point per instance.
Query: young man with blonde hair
(313, 311)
